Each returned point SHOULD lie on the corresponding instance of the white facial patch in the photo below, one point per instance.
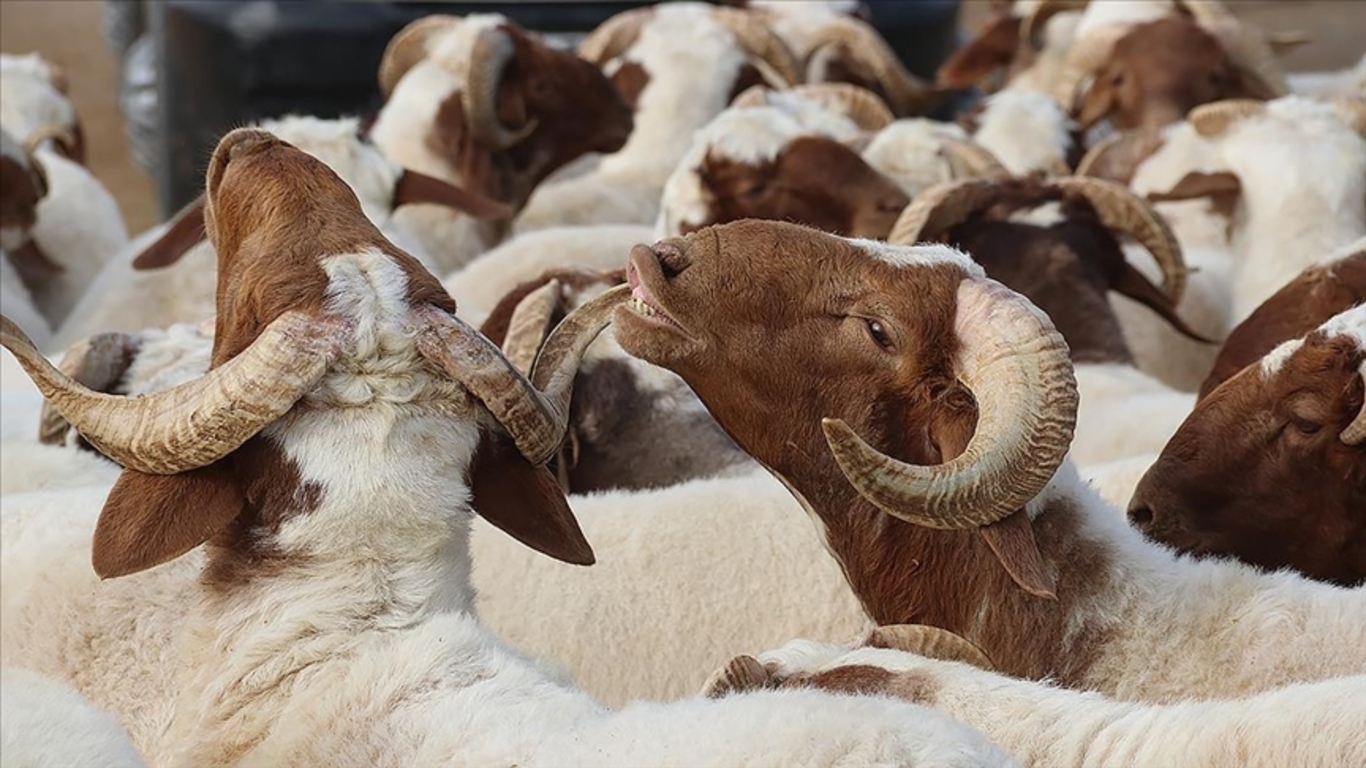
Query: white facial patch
(1351, 323)
(923, 255)
(1275, 359)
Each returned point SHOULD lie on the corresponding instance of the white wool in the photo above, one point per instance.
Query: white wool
(1351, 323)
(47, 724)
(920, 255)
(1124, 412)
(1301, 724)
(1116, 481)
(79, 227)
(17, 304)
(1042, 74)
(797, 23)
(27, 465)
(1098, 15)
(28, 100)
(1350, 82)
(1026, 130)
(911, 153)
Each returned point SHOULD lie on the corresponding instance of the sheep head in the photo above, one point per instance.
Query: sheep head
(23, 184)
(291, 320)
(510, 110)
(1270, 467)
(866, 376)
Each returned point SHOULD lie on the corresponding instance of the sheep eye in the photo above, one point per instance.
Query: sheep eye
(756, 191)
(1305, 426)
(878, 334)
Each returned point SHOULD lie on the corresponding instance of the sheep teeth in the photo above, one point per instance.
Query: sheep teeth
(638, 305)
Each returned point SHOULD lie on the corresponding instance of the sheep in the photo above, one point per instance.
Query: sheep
(680, 64)
(1269, 467)
(35, 108)
(1148, 63)
(1055, 243)
(1336, 283)
(799, 342)
(918, 153)
(355, 327)
(1306, 724)
(1027, 131)
(444, 77)
(167, 275)
(46, 724)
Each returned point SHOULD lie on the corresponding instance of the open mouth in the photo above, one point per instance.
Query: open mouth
(642, 303)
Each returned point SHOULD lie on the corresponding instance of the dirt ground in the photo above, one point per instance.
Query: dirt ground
(69, 33)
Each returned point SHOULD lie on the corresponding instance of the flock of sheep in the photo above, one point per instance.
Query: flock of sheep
(1071, 389)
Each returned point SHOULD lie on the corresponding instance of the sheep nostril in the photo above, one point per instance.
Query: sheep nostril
(672, 260)
(1140, 516)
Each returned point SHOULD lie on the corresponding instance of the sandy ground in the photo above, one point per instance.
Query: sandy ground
(68, 32)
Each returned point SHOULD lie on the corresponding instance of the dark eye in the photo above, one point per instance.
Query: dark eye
(756, 191)
(1305, 426)
(878, 334)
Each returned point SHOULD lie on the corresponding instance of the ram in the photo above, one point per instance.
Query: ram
(480, 103)
(936, 466)
(326, 508)
(1270, 467)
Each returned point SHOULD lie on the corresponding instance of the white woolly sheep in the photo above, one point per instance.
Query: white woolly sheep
(371, 331)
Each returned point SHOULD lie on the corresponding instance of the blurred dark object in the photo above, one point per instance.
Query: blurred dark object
(220, 63)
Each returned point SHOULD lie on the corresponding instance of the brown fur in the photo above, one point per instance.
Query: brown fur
(1258, 471)
(774, 337)
(814, 181)
(1159, 71)
(1304, 304)
(860, 679)
(994, 48)
(630, 80)
(20, 190)
(526, 502)
(576, 107)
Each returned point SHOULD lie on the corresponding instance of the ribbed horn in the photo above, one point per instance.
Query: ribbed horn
(529, 325)
(614, 36)
(1016, 365)
(535, 416)
(1355, 433)
(968, 159)
(755, 37)
(906, 94)
(1214, 118)
(1117, 156)
(493, 50)
(933, 642)
(863, 107)
(409, 47)
(98, 363)
(1121, 210)
(199, 422)
(940, 207)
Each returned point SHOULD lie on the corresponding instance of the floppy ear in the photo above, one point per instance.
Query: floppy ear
(1133, 284)
(148, 520)
(1097, 102)
(992, 49)
(951, 425)
(414, 187)
(1198, 184)
(525, 501)
(183, 232)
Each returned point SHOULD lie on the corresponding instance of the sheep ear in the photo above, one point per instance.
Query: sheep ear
(1134, 285)
(182, 233)
(148, 520)
(1196, 184)
(1012, 540)
(414, 187)
(525, 501)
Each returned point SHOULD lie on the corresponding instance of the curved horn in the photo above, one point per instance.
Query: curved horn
(863, 107)
(1016, 365)
(614, 36)
(493, 50)
(1034, 24)
(1214, 118)
(98, 363)
(906, 93)
(199, 422)
(968, 159)
(535, 416)
(1117, 156)
(755, 37)
(1122, 211)
(529, 325)
(933, 642)
(408, 47)
(1355, 433)
(62, 138)
(940, 207)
